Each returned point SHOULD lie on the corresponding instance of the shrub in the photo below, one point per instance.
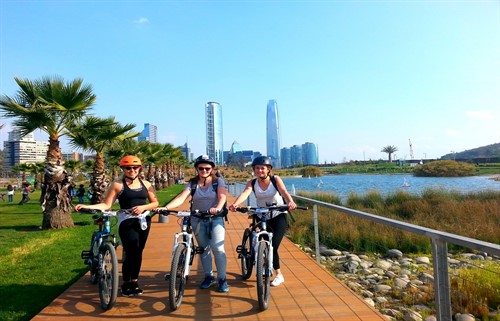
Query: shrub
(309, 171)
(444, 168)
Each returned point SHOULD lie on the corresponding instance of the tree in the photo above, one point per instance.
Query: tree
(51, 105)
(98, 135)
(389, 150)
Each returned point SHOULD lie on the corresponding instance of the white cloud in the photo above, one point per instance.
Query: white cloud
(141, 20)
(479, 115)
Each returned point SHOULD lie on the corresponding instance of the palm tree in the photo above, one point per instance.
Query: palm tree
(23, 168)
(389, 150)
(99, 134)
(51, 105)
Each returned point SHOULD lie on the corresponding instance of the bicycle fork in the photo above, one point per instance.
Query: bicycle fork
(187, 240)
(258, 236)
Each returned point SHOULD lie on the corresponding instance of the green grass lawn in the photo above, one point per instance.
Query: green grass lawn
(38, 265)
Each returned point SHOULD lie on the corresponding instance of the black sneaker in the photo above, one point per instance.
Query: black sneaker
(136, 289)
(127, 289)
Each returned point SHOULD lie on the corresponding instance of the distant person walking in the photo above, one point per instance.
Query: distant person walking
(10, 193)
(26, 193)
(80, 193)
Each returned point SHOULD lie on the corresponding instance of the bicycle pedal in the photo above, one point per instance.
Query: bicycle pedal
(239, 249)
(85, 255)
(199, 250)
(167, 277)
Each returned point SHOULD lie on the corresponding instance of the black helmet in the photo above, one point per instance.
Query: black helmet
(204, 159)
(262, 160)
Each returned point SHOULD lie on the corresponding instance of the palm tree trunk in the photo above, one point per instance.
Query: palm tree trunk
(56, 203)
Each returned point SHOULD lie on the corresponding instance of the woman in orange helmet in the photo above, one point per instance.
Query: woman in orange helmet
(133, 194)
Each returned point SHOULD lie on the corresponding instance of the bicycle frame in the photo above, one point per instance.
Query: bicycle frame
(185, 237)
(183, 253)
(262, 236)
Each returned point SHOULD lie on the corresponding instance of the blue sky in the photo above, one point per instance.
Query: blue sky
(350, 76)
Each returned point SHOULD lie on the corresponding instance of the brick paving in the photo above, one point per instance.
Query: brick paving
(309, 291)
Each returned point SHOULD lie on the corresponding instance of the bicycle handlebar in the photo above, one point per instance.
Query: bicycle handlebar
(195, 213)
(257, 210)
(107, 213)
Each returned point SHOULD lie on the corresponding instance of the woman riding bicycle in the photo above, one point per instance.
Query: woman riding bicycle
(266, 193)
(133, 227)
(210, 233)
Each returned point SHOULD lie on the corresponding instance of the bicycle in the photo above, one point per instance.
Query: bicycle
(183, 253)
(257, 249)
(102, 258)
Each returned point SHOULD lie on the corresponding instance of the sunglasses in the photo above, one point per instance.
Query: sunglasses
(132, 167)
(204, 168)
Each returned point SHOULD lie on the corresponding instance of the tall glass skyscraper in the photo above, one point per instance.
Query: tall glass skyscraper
(273, 133)
(213, 121)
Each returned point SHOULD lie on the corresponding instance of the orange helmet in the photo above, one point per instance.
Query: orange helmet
(130, 161)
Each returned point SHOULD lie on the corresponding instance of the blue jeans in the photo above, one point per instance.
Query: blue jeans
(210, 235)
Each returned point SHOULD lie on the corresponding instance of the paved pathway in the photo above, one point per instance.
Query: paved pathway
(309, 291)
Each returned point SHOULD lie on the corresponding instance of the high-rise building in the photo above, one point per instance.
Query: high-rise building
(21, 150)
(187, 152)
(213, 122)
(148, 134)
(310, 154)
(286, 157)
(296, 155)
(273, 133)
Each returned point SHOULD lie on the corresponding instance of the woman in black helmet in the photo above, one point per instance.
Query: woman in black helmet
(208, 193)
(133, 194)
(269, 189)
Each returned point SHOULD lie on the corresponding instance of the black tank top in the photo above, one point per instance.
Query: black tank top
(129, 198)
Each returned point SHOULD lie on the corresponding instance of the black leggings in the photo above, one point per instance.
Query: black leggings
(134, 240)
(278, 226)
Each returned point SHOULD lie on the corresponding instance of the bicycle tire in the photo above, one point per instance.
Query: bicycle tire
(108, 276)
(263, 277)
(246, 256)
(177, 279)
(93, 259)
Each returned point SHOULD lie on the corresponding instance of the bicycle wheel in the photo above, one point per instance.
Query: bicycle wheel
(177, 279)
(108, 276)
(246, 256)
(262, 271)
(93, 259)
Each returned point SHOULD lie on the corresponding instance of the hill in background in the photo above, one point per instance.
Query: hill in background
(488, 151)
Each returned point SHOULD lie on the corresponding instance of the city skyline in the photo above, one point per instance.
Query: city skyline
(350, 76)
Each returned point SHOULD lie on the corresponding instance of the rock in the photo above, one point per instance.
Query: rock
(426, 278)
(381, 288)
(383, 264)
(412, 316)
(464, 317)
(422, 260)
(370, 301)
(394, 253)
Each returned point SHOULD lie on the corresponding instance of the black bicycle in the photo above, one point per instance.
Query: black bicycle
(102, 258)
(257, 249)
(183, 253)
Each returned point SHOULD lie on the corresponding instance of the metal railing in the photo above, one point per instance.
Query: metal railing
(439, 241)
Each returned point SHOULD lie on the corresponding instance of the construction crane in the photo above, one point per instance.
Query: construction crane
(411, 149)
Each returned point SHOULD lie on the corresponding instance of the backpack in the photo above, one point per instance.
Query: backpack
(215, 186)
(273, 181)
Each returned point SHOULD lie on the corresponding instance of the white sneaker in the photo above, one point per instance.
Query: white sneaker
(278, 280)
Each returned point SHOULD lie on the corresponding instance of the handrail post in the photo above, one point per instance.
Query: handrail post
(316, 232)
(441, 281)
